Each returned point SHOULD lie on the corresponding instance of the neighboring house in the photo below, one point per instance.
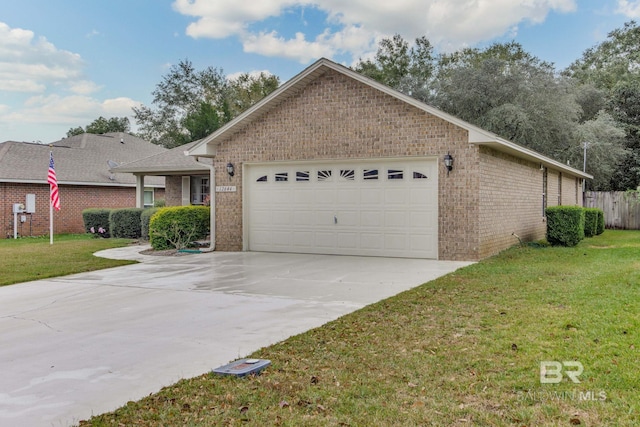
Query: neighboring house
(335, 163)
(82, 165)
(187, 179)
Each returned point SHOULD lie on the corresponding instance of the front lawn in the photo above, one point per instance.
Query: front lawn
(463, 350)
(33, 258)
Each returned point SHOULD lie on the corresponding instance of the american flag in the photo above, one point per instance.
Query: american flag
(53, 184)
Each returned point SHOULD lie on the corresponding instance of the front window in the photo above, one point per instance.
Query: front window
(148, 197)
(199, 190)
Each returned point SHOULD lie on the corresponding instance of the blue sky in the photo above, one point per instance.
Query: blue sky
(65, 63)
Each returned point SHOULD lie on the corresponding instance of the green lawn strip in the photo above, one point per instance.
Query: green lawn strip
(461, 350)
(27, 259)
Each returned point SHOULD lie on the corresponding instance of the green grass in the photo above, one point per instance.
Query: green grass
(26, 259)
(463, 350)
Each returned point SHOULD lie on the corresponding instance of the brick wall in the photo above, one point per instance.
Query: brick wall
(571, 191)
(510, 201)
(336, 117)
(73, 200)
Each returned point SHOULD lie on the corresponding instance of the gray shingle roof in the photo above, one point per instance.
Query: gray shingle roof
(170, 162)
(80, 159)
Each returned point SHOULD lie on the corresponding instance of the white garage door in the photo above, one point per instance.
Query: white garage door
(381, 208)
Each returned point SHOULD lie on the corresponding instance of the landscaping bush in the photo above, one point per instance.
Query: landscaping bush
(565, 225)
(600, 222)
(590, 222)
(176, 227)
(125, 223)
(96, 221)
(159, 203)
(145, 217)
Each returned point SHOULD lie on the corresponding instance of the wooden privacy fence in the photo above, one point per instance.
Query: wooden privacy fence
(621, 210)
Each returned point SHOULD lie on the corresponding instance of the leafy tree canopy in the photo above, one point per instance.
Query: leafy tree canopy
(102, 125)
(189, 104)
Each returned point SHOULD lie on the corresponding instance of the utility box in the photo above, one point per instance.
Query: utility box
(30, 205)
(18, 208)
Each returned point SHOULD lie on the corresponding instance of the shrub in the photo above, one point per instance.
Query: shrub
(160, 203)
(145, 217)
(178, 226)
(600, 222)
(565, 225)
(125, 223)
(590, 222)
(95, 221)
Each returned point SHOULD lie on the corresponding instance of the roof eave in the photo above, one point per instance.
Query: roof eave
(161, 172)
(525, 153)
(476, 135)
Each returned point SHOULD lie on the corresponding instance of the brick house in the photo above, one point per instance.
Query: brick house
(186, 177)
(335, 163)
(84, 180)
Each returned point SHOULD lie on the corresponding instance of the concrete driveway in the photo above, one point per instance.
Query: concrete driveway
(81, 345)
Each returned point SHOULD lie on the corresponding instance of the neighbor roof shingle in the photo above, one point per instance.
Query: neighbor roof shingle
(80, 159)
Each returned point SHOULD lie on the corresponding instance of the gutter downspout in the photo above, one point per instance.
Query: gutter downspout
(212, 205)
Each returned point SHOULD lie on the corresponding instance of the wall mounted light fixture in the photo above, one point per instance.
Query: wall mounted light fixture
(230, 169)
(448, 162)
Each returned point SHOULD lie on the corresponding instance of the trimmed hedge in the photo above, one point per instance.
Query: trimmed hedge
(177, 226)
(125, 223)
(565, 225)
(590, 222)
(95, 220)
(145, 217)
(600, 222)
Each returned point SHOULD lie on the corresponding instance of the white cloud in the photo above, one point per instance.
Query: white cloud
(84, 87)
(30, 64)
(354, 27)
(298, 48)
(47, 90)
(72, 110)
(629, 8)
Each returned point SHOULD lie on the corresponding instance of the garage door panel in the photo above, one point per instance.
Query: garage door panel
(348, 218)
(325, 240)
(372, 240)
(282, 217)
(372, 219)
(302, 239)
(395, 242)
(420, 220)
(305, 218)
(347, 240)
(382, 207)
(371, 196)
(396, 196)
(397, 219)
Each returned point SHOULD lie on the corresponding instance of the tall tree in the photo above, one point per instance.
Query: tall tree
(613, 68)
(189, 104)
(508, 91)
(247, 89)
(408, 69)
(102, 125)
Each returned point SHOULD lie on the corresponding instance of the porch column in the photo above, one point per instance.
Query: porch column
(139, 191)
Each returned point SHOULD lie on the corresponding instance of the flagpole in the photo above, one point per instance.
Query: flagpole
(50, 222)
